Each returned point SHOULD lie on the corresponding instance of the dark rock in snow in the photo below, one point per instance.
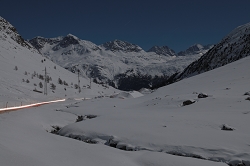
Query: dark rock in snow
(79, 118)
(188, 102)
(90, 116)
(247, 93)
(248, 98)
(55, 129)
(202, 95)
(226, 127)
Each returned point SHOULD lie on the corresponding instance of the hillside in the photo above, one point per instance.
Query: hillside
(234, 46)
(214, 127)
(156, 129)
(23, 73)
(117, 63)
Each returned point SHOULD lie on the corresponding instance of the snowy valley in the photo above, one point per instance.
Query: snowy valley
(117, 63)
(199, 120)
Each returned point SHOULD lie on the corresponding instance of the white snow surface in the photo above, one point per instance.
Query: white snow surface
(154, 129)
(156, 126)
(158, 122)
(124, 95)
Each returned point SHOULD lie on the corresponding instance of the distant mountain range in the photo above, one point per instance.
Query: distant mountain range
(118, 63)
(127, 66)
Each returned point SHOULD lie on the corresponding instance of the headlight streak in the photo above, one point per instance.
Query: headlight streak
(30, 105)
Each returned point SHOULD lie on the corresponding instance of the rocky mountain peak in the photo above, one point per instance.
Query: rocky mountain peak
(11, 31)
(69, 40)
(195, 49)
(39, 42)
(162, 50)
(118, 45)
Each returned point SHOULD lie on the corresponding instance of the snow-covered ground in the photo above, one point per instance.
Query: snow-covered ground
(156, 128)
(159, 123)
(121, 128)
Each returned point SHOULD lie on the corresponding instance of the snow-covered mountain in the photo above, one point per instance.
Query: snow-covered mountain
(195, 49)
(164, 50)
(118, 45)
(118, 63)
(198, 121)
(234, 46)
(10, 30)
(22, 72)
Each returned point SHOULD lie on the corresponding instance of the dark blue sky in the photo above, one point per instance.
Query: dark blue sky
(176, 23)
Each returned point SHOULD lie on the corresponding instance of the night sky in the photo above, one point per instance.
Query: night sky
(176, 23)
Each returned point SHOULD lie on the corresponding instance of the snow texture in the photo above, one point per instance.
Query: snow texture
(154, 129)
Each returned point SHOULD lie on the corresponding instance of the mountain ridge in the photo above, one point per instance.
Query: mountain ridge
(114, 62)
(10, 30)
(232, 47)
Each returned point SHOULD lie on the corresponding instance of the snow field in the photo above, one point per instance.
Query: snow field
(158, 122)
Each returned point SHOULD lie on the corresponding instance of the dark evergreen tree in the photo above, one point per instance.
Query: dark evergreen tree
(40, 84)
(52, 86)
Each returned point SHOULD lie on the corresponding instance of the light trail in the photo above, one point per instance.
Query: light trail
(30, 105)
(83, 98)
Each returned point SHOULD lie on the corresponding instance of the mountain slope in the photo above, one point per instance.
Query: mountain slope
(118, 63)
(11, 31)
(233, 47)
(22, 72)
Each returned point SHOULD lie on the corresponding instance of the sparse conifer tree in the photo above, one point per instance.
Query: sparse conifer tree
(65, 83)
(40, 84)
(52, 86)
(41, 77)
(60, 81)
(76, 86)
